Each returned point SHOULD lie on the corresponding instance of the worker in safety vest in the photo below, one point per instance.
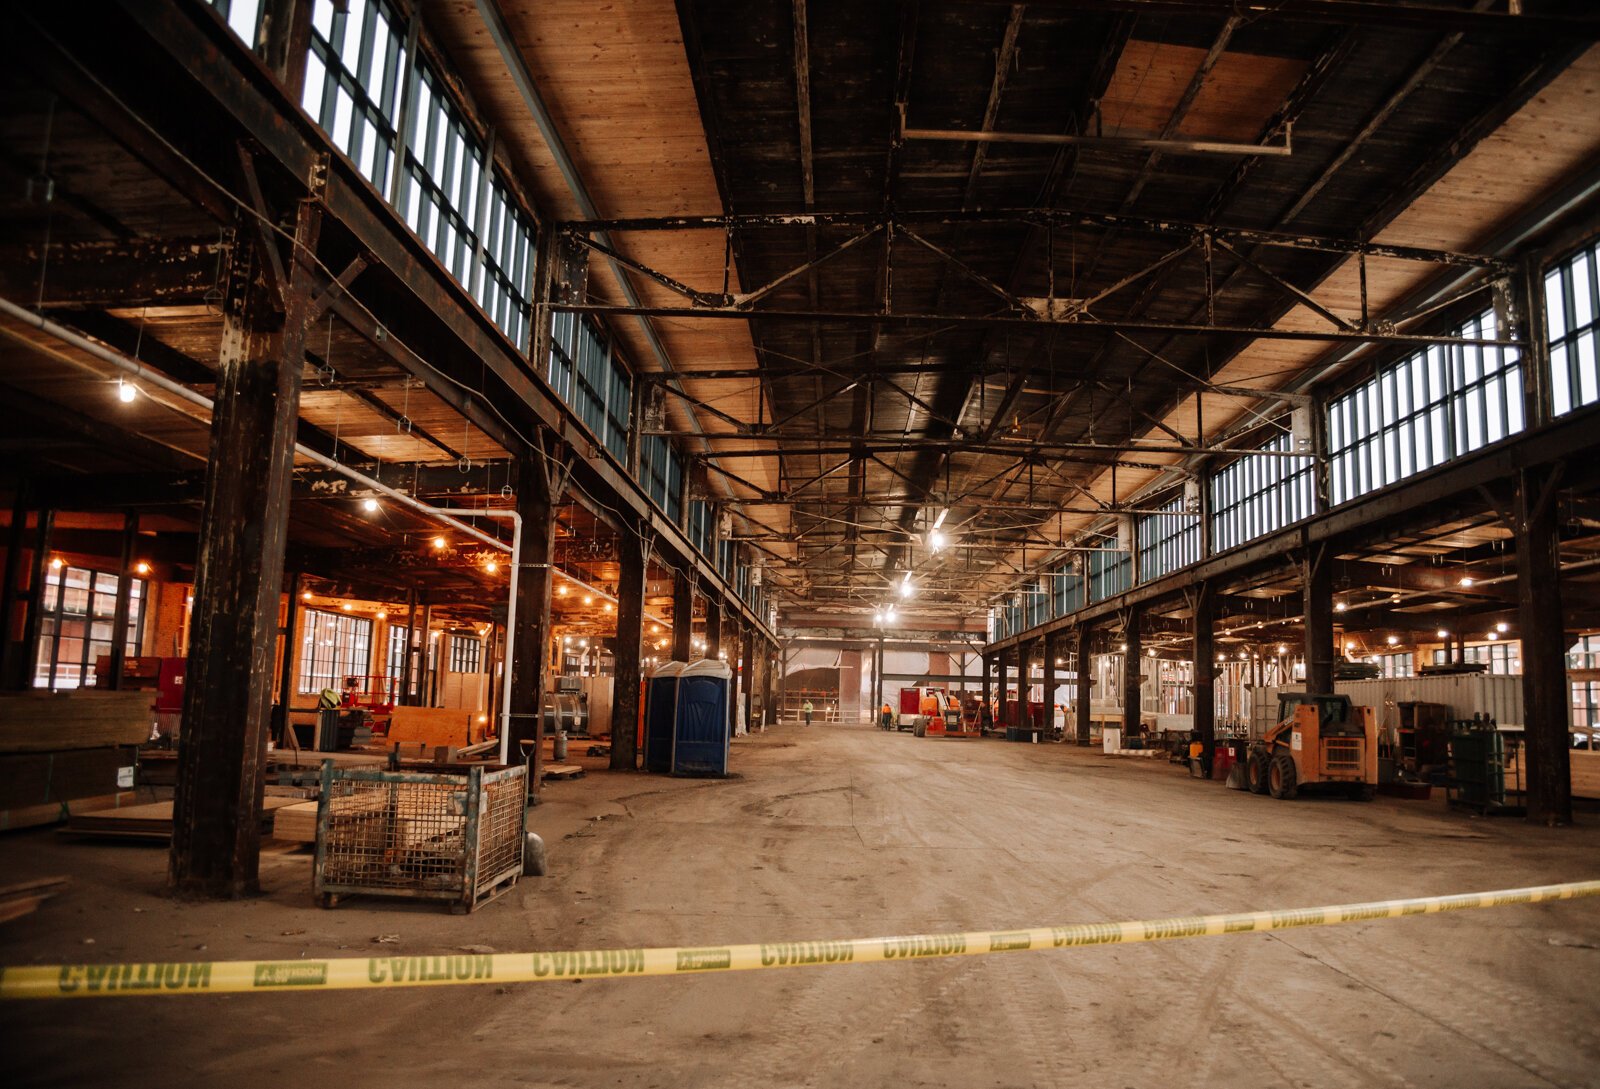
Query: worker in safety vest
(807, 710)
(886, 716)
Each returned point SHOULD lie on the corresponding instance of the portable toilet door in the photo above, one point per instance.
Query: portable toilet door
(700, 744)
(660, 714)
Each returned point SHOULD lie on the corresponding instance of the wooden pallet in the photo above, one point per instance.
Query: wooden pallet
(563, 771)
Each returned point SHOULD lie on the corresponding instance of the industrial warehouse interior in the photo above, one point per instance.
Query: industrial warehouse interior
(679, 543)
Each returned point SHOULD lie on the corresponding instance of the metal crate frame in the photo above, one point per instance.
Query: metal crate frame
(451, 833)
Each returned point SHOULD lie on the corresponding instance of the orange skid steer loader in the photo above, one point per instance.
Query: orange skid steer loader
(1319, 741)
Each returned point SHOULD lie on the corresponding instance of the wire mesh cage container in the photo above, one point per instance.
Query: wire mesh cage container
(442, 833)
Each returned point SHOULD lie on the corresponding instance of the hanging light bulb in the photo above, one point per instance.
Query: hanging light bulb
(492, 567)
(1502, 627)
(1339, 607)
(142, 568)
(369, 504)
(1392, 640)
(438, 543)
(305, 595)
(126, 391)
(383, 614)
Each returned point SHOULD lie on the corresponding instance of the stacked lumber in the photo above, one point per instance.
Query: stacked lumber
(84, 719)
(432, 727)
(152, 821)
(297, 822)
(24, 897)
(1586, 773)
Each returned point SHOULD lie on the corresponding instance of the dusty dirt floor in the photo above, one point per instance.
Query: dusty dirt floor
(850, 832)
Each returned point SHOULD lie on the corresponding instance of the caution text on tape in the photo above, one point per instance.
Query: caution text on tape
(354, 973)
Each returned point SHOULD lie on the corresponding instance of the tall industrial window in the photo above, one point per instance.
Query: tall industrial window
(333, 646)
(1501, 658)
(76, 625)
(588, 376)
(1585, 654)
(395, 661)
(1066, 589)
(243, 17)
(1035, 603)
(1169, 540)
(661, 473)
(353, 82)
(1432, 406)
(725, 558)
(1257, 495)
(507, 266)
(1110, 570)
(441, 176)
(1572, 303)
(1397, 665)
(466, 654)
(702, 520)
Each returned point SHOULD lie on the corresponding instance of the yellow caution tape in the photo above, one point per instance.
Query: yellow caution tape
(352, 973)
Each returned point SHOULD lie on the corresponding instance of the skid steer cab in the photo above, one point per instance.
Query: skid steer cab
(1320, 742)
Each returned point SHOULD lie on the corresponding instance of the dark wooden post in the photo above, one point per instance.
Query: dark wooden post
(1546, 691)
(747, 676)
(769, 655)
(407, 669)
(1008, 662)
(1048, 645)
(1317, 580)
(631, 556)
(713, 627)
(682, 616)
(216, 827)
(119, 620)
(286, 667)
(987, 691)
(1205, 664)
(1132, 667)
(33, 624)
(538, 494)
(10, 647)
(1085, 682)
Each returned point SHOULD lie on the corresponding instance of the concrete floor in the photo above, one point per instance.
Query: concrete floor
(850, 832)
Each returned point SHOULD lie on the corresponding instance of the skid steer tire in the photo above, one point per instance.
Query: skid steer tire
(1255, 772)
(1281, 777)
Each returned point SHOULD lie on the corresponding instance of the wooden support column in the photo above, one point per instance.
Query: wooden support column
(682, 616)
(1546, 691)
(539, 487)
(1048, 650)
(987, 692)
(1205, 665)
(1085, 684)
(216, 826)
(119, 620)
(632, 562)
(713, 627)
(747, 676)
(1316, 574)
(1538, 402)
(1132, 667)
(286, 666)
(1008, 664)
(877, 681)
(407, 668)
(33, 622)
(11, 647)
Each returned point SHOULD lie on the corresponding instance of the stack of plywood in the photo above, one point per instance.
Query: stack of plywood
(297, 822)
(150, 821)
(68, 751)
(434, 727)
(85, 719)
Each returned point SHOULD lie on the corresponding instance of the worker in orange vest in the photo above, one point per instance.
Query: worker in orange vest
(886, 716)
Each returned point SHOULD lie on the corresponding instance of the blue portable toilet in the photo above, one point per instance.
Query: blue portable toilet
(700, 742)
(660, 715)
